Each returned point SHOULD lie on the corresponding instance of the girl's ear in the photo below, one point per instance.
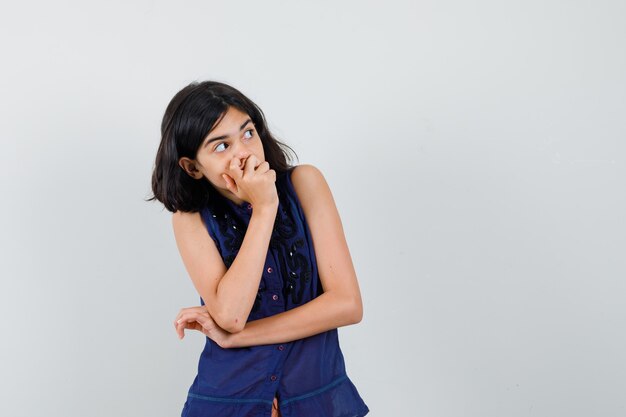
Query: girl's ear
(189, 167)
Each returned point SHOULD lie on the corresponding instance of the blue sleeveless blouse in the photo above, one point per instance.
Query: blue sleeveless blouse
(308, 376)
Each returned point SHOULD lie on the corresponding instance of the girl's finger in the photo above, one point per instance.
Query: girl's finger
(263, 167)
(201, 318)
(235, 168)
(230, 183)
(249, 166)
(186, 318)
(182, 320)
(191, 316)
(187, 309)
(180, 328)
(180, 331)
(182, 311)
(205, 322)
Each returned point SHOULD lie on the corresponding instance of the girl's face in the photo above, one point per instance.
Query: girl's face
(234, 136)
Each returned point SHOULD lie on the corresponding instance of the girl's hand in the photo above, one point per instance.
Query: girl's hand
(198, 318)
(255, 182)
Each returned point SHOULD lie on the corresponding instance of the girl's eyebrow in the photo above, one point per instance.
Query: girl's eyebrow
(225, 136)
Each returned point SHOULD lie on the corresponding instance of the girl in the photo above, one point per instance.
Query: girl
(264, 246)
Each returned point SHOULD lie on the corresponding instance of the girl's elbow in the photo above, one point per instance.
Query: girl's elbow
(235, 328)
(355, 311)
(229, 323)
(231, 326)
(358, 315)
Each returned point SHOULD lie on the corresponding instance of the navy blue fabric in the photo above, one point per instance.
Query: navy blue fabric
(307, 375)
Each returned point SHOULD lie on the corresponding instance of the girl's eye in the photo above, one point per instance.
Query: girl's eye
(251, 131)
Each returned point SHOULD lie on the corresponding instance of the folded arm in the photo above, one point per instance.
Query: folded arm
(341, 303)
(228, 293)
(328, 311)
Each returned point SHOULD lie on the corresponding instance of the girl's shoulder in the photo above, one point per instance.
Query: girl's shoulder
(304, 172)
(304, 175)
(310, 185)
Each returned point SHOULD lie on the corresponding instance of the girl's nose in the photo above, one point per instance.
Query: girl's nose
(242, 156)
(239, 150)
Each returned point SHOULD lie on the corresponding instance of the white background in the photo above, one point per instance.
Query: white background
(475, 151)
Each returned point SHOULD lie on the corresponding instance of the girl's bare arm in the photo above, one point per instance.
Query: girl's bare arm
(341, 303)
(228, 293)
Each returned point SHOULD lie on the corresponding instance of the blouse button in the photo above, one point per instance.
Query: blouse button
(274, 297)
(249, 206)
(273, 377)
(269, 269)
(281, 347)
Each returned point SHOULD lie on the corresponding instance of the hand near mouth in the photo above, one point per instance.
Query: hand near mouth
(253, 181)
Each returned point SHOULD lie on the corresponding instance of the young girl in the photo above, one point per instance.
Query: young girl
(264, 246)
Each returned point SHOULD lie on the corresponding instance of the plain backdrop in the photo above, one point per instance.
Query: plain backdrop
(475, 151)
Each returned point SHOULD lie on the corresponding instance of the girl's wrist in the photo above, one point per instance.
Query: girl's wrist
(266, 210)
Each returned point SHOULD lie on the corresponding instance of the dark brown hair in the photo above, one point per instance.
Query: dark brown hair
(188, 119)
